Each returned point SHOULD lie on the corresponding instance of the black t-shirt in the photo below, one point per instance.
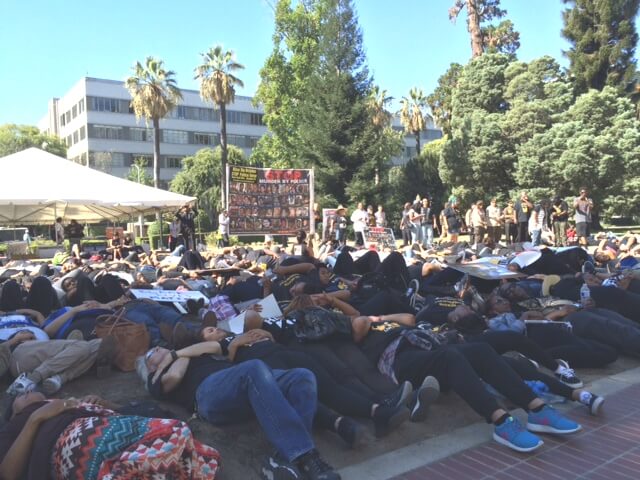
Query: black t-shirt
(256, 351)
(560, 207)
(380, 335)
(436, 309)
(280, 288)
(453, 219)
(522, 211)
(184, 393)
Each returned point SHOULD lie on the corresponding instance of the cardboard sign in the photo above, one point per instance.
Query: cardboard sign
(269, 201)
(168, 296)
(381, 237)
(270, 311)
(486, 270)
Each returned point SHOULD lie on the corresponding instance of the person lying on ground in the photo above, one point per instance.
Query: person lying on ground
(283, 401)
(72, 438)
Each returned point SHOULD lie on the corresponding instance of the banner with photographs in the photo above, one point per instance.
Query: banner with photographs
(269, 201)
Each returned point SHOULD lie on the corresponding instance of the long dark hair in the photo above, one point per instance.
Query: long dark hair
(12, 297)
(42, 297)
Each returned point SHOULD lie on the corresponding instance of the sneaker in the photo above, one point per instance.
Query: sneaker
(387, 419)
(548, 420)
(588, 267)
(315, 468)
(592, 402)
(21, 385)
(532, 362)
(51, 385)
(75, 335)
(351, 432)
(566, 375)
(209, 319)
(275, 468)
(399, 397)
(413, 287)
(512, 434)
(422, 398)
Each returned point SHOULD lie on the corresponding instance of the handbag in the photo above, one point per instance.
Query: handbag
(315, 323)
(132, 339)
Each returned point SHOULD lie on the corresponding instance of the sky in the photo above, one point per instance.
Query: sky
(49, 45)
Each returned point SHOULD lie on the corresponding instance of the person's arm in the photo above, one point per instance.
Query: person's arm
(297, 268)
(59, 322)
(247, 338)
(15, 461)
(335, 302)
(34, 314)
(174, 375)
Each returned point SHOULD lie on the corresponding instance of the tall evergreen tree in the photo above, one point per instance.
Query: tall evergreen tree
(603, 40)
(328, 121)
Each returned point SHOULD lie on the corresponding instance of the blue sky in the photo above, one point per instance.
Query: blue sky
(49, 45)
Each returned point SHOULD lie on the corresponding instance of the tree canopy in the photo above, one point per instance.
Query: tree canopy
(15, 138)
(603, 40)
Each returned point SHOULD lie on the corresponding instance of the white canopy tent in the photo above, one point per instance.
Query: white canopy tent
(38, 187)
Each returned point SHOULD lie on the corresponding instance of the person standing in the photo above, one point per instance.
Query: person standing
(494, 226)
(559, 217)
(75, 232)
(340, 225)
(381, 217)
(510, 223)
(427, 223)
(405, 225)
(186, 216)
(415, 219)
(58, 230)
(223, 227)
(359, 219)
(583, 206)
(536, 222)
(523, 211)
(452, 215)
(174, 232)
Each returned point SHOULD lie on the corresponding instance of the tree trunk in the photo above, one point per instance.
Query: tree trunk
(418, 144)
(156, 152)
(156, 169)
(473, 25)
(224, 153)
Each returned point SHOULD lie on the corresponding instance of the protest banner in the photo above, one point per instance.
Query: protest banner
(381, 237)
(327, 215)
(269, 201)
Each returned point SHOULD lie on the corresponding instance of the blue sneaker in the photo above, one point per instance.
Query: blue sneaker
(548, 420)
(512, 434)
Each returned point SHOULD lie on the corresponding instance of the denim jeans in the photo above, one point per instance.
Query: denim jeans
(427, 235)
(283, 401)
(416, 234)
(152, 315)
(536, 236)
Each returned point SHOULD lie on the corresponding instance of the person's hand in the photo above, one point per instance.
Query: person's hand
(93, 399)
(88, 305)
(21, 337)
(256, 307)
(52, 409)
(320, 299)
(164, 363)
(568, 309)
(537, 276)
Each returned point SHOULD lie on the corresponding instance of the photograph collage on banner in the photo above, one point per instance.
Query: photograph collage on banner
(267, 201)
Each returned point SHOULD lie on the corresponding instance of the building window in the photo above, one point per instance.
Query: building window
(75, 137)
(141, 134)
(173, 162)
(175, 136)
(102, 104)
(67, 116)
(205, 138)
(108, 132)
(69, 138)
(81, 106)
(62, 122)
(256, 119)
(83, 132)
(74, 111)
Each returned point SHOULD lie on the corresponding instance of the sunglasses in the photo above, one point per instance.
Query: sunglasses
(148, 355)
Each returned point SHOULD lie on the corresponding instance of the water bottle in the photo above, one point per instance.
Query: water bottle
(585, 295)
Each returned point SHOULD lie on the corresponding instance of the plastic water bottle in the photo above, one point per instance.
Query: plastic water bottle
(585, 295)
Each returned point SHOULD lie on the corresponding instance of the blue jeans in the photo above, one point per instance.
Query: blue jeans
(283, 401)
(427, 235)
(416, 234)
(536, 236)
(152, 315)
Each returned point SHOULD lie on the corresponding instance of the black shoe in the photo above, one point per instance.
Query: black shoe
(423, 397)
(192, 306)
(313, 467)
(387, 419)
(399, 397)
(275, 468)
(588, 267)
(351, 432)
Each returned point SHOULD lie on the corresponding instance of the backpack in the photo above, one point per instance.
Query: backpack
(316, 323)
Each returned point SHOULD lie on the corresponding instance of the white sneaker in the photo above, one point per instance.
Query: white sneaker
(51, 385)
(21, 385)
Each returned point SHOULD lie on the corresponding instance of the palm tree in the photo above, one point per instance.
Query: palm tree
(217, 85)
(377, 102)
(413, 115)
(154, 94)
